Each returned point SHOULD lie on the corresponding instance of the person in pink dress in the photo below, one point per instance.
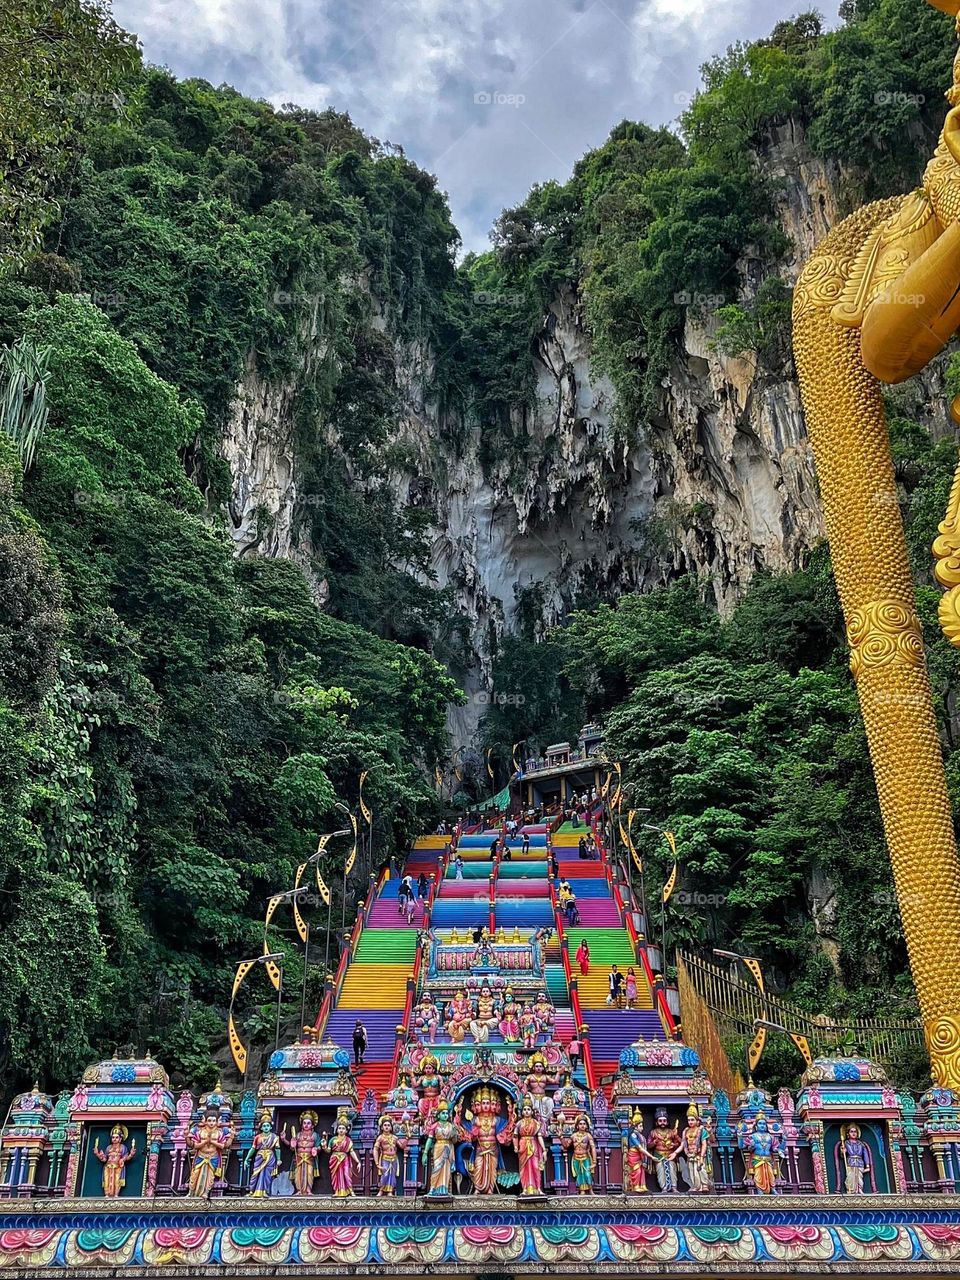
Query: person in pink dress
(630, 989)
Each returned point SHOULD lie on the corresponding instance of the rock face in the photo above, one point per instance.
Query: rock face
(722, 484)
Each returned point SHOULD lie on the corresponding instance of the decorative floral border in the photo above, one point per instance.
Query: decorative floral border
(916, 1237)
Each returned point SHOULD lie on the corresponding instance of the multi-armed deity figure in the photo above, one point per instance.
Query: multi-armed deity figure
(459, 1016)
(386, 1157)
(488, 1132)
(762, 1152)
(115, 1160)
(208, 1144)
(852, 1156)
(663, 1143)
(305, 1147)
(878, 299)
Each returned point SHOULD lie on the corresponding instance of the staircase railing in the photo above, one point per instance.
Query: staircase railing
(735, 1005)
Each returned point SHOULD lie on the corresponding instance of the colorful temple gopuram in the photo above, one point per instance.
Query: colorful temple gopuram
(514, 1112)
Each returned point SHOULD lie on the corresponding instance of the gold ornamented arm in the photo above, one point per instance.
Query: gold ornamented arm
(915, 316)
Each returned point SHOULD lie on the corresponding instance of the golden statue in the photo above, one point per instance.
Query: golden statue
(879, 298)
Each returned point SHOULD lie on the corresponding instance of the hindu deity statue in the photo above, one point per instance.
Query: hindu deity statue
(536, 1084)
(529, 1026)
(459, 1017)
(583, 1158)
(428, 1079)
(487, 1016)
(637, 1158)
(876, 302)
(115, 1160)
(386, 1157)
(343, 1158)
(488, 1132)
(854, 1155)
(545, 1012)
(695, 1150)
(303, 1144)
(531, 1149)
(426, 1018)
(762, 1151)
(509, 1023)
(264, 1154)
(663, 1144)
(443, 1133)
(207, 1144)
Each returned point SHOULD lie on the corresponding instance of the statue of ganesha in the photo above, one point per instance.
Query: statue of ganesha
(459, 1017)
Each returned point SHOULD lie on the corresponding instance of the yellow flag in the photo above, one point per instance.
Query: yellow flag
(754, 966)
(298, 919)
(322, 889)
(438, 778)
(671, 884)
(489, 765)
(513, 753)
(671, 840)
(756, 1048)
(352, 855)
(364, 807)
(237, 1047)
(243, 968)
(273, 973)
(605, 786)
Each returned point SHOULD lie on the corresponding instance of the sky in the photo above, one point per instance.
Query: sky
(492, 96)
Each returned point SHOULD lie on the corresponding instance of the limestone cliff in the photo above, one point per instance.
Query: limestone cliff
(721, 484)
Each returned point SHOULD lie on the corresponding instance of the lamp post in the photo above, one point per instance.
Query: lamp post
(752, 966)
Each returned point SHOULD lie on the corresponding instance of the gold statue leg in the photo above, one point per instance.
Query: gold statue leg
(847, 426)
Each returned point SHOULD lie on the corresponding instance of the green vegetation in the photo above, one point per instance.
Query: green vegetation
(177, 725)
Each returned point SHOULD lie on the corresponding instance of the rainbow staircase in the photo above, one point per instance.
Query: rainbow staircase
(374, 985)
(611, 1030)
